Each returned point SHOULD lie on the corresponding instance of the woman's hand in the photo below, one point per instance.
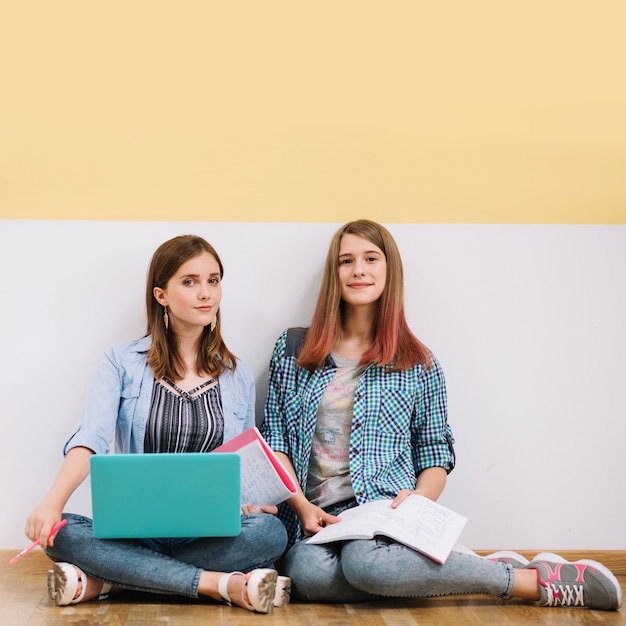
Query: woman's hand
(74, 470)
(40, 522)
(313, 519)
(430, 483)
(402, 495)
(248, 509)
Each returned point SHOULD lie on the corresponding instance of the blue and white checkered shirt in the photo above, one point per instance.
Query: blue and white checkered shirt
(399, 424)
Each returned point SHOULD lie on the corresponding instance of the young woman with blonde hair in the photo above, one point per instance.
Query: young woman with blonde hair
(357, 411)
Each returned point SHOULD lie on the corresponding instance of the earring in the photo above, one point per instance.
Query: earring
(166, 319)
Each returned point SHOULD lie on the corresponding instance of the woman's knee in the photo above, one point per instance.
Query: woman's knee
(266, 530)
(77, 531)
(301, 562)
(364, 564)
(315, 572)
(317, 575)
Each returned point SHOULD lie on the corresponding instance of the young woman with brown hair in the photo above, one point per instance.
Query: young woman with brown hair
(177, 389)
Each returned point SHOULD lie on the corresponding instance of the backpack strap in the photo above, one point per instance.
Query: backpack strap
(295, 339)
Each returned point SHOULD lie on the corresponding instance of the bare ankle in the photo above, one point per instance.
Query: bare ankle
(525, 584)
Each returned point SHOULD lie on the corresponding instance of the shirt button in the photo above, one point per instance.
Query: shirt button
(355, 450)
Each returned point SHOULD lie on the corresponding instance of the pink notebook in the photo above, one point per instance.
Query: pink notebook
(264, 480)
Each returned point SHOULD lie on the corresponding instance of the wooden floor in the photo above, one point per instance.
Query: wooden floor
(24, 602)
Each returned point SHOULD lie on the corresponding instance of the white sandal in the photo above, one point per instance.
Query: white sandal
(260, 586)
(283, 591)
(63, 581)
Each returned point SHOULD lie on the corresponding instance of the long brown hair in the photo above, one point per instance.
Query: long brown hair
(164, 356)
(394, 344)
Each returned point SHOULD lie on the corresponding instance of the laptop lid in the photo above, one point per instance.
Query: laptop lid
(165, 495)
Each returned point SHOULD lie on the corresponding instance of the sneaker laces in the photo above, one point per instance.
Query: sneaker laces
(564, 595)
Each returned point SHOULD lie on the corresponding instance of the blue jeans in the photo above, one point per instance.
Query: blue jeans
(168, 566)
(364, 570)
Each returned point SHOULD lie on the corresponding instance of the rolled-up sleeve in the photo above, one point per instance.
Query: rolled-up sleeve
(98, 419)
(433, 441)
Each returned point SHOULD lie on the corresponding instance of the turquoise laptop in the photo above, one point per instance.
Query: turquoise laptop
(165, 495)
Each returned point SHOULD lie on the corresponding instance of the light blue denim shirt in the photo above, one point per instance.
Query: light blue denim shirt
(119, 396)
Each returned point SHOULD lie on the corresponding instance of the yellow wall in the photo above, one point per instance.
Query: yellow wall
(405, 111)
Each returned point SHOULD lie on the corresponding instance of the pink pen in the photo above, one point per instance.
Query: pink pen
(55, 529)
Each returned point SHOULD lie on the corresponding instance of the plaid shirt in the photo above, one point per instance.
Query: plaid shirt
(399, 424)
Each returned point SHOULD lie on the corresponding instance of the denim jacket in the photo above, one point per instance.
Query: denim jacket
(119, 396)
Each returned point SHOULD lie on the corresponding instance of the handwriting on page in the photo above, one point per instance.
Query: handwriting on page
(258, 477)
(418, 523)
(405, 523)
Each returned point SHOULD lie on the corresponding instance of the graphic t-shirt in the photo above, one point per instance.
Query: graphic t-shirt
(328, 479)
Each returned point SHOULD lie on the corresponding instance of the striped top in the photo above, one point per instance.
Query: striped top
(185, 421)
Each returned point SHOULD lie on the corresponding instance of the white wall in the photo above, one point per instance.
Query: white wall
(528, 322)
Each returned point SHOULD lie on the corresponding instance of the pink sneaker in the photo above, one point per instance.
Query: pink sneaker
(585, 583)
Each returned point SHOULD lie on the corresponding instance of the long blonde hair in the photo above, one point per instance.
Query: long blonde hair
(394, 344)
(164, 356)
